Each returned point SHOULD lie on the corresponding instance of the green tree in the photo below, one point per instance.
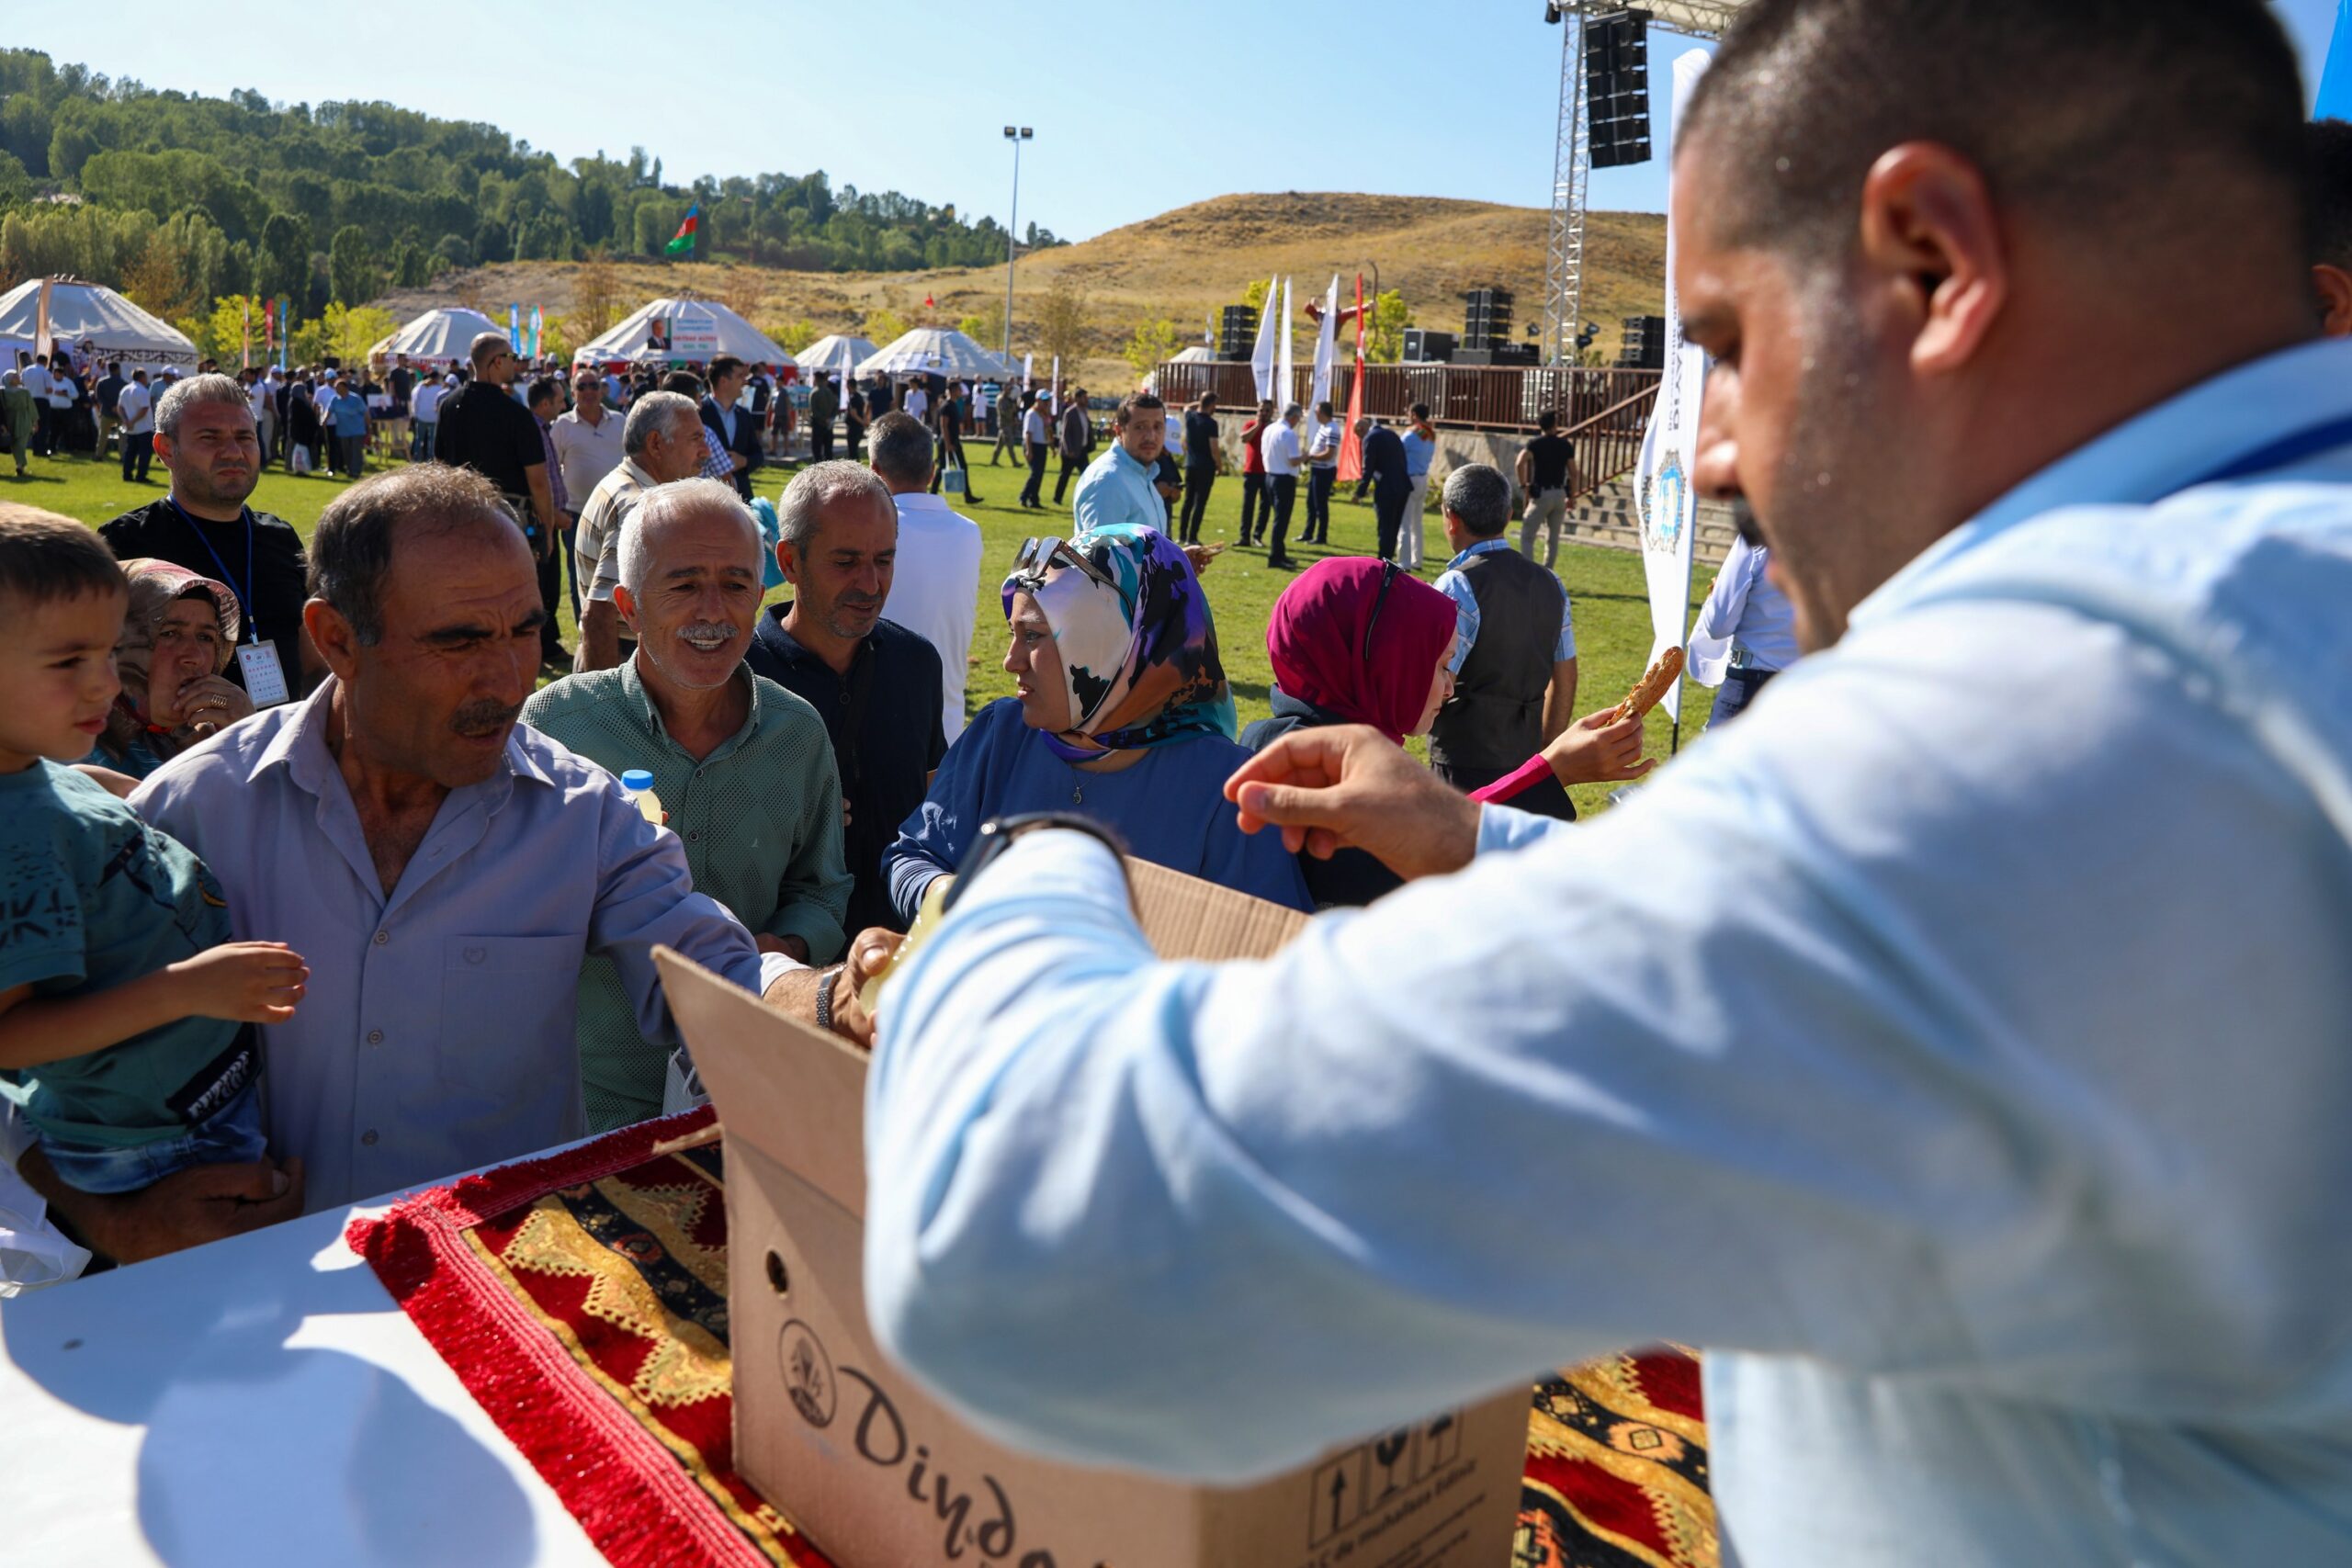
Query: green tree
(283, 264)
(223, 332)
(1060, 323)
(1153, 344)
(1384, 341)
(885, 326)
(352, 273)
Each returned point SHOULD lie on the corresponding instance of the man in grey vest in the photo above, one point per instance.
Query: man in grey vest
(1516, 687)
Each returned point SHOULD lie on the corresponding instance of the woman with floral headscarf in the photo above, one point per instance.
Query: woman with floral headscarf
(177, 637)
(1123, 715)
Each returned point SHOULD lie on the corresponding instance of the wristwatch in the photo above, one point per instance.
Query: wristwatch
(998, 834)
(825, 998)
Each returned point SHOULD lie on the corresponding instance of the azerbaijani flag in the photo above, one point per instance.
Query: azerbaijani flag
(685, 240)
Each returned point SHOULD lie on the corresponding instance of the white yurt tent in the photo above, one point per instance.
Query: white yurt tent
(835, 354)
(683, 332)
(92, 322)
(437, 337)
(934, 351)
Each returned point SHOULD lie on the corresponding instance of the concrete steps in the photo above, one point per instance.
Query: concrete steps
(1608, 517)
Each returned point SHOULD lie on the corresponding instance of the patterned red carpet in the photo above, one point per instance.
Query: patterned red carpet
(583, 1300)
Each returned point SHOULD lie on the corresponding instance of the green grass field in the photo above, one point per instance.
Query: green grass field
(1611, 605)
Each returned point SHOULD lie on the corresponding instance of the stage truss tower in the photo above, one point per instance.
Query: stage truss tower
(1572, 153)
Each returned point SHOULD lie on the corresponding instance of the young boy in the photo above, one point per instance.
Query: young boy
(126, 1012)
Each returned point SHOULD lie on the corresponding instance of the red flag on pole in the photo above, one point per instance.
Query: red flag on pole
(1351, 445)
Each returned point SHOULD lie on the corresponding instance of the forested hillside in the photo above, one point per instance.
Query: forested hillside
(166, 194)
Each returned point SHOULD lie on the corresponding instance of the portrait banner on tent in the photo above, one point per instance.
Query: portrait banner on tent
(1261, 354)
(284, 328)
(514, 327)
(1667, 504)
(534, 332)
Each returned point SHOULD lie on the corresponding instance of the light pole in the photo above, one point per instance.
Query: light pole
(1012, 234)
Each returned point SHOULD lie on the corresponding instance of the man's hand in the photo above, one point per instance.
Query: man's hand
(187, 1208)
(1347, 787)
(868, 955)
(243, 982)
(1594, 751)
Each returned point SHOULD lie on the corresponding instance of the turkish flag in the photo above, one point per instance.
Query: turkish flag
(929, 303)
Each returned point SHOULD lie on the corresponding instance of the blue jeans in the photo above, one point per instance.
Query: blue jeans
(231, 1136)
(1739, 689)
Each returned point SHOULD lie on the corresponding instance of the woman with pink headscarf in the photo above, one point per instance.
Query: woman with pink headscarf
(1360, 641)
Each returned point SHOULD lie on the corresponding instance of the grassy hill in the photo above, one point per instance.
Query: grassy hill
(1182, 265)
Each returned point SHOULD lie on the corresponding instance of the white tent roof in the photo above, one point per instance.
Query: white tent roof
(1199, 354)
(438, 337)
(92, 321)
(934, 351)
(627, 341)
(836, 351)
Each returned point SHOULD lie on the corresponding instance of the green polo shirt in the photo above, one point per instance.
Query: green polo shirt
(761, 818)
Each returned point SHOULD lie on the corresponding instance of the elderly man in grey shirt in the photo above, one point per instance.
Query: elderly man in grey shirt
(446, 871)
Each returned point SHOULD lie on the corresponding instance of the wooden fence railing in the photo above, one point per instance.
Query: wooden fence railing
(1603, 412)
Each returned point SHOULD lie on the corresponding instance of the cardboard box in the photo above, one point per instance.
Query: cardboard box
(880, 1476)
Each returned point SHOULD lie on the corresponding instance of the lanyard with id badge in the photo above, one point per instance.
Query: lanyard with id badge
(257, 660)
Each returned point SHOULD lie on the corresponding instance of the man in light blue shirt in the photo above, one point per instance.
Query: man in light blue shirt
(1955, 1048)
(1747, 631)
(448, 869)
(1120, 485)
(1420, 447)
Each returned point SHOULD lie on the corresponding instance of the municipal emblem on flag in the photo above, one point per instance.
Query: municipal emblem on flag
(1662, 516)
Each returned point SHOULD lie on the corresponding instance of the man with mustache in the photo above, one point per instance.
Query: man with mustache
(447, 869)
(875, 683)
(204, 431)
(1954, 1049)
(743, 768)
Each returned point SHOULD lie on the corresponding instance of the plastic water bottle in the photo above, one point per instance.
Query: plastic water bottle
(639, 784)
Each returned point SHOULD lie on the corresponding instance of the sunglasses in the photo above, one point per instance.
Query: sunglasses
(1038, 557)
(1389, 573)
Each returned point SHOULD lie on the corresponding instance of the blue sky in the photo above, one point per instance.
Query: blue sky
(1137, 108)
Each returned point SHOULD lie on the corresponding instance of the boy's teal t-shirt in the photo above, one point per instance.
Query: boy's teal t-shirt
(90, 897)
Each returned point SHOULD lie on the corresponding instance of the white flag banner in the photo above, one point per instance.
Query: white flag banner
(1261, 354)
(1325, 339)
(1029, 369)
(1667, 504)
(1058, 384)
(1286, 374)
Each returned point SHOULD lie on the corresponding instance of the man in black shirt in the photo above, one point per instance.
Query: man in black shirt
(1547, 473)
(954, 416)
(1200, 465)
(485, 428)
(204, 433)
(875, 685)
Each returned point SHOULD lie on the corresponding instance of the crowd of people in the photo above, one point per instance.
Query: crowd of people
(1989, 1152)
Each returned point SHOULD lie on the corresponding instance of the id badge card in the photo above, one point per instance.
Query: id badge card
(264, 676)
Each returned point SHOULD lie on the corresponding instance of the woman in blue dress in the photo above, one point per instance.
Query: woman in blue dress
(1123, 715)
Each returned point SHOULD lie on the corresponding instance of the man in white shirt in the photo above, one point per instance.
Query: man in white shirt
(32, 374)
(587, 447)
(1279, 446)
(261, 394)
(936, 589)
(424, 413)
(1323, 474)
(136, 410)
(917, 401)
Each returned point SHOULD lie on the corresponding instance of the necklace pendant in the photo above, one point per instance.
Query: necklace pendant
(1077, 794)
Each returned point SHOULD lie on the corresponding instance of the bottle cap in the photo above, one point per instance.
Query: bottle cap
(637, 778)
